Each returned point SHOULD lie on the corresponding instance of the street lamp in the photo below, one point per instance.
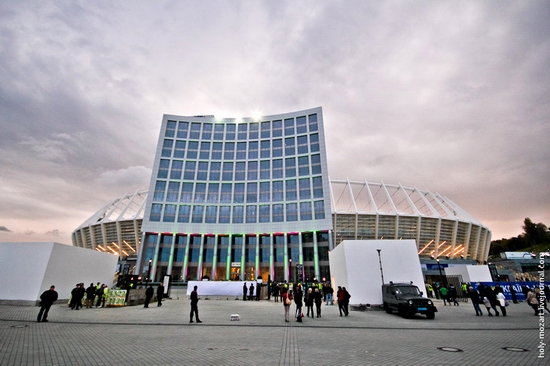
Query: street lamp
(148, 272)
(290, 270)
(380, 262)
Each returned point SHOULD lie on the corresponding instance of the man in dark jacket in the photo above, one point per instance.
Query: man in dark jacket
(194, 305)
(90, 296)
(47, 298)
(160, 294)
(148, 295)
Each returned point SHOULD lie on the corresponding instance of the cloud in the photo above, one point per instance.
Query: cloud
(134, 176)
(3, 228)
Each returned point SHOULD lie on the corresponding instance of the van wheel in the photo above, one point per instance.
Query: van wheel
(387, 308)
(430, 315)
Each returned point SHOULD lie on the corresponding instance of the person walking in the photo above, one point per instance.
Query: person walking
(501, 301)
(194, 306)
(341, 296)
(148, 296)
(443, 292)
(47, 299)
(99, 295)
(160, 294)
(476, 300)
(532, 301)
(287, 301)
(347, 296)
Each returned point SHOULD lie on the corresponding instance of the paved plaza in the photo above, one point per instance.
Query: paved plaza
(163, 336)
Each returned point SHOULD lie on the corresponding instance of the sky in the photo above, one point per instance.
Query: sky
(448, 96)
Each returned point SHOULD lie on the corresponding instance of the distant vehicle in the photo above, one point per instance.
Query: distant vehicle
(407, 300)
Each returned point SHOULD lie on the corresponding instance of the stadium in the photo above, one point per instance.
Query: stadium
(240, 199)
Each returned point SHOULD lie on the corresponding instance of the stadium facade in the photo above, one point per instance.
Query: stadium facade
(243, 198)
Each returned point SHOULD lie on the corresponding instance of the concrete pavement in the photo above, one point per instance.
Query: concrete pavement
(162, 335)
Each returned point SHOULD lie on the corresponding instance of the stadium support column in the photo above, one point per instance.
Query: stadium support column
(228, 259)
(215, 259)
(200, 263)
(153, 270)
(184, 270)
(171, 257)
(286, 259)
(316, 268)
(271, 258)
(257, 258)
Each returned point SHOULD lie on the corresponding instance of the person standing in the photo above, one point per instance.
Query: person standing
(287, 300)
(298, 297)
(47, 298)
(443, 292)
(80, 291)
(513, 293)
(309, 301)
(90, 296)
(318, 299)
(99, 295)
(341, 300)
(148, 295)
(160, 294)
(245, 291)
(251, 292)
(194, 305)
(532, 301)
(347, 296)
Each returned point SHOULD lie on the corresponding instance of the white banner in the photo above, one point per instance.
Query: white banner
(219, 288)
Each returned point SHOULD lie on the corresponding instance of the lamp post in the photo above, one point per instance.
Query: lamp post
(290, 270)
(380, 262)
(148, 272)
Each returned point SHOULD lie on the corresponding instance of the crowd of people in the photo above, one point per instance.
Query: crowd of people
(491, 298)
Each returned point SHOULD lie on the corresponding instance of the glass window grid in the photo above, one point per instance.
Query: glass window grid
(228, 153)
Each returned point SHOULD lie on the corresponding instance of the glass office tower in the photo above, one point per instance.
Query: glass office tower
(235, 199)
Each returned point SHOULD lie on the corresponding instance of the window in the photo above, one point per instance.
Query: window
(195, 130)
(314, 142)
(241, 150)
(316, 164)
(184, 213)
(211, 214)
(277, 168)
(169, 213)
(252, 170)
(177, 166)
(213, 189)
(289, 126)
(238, 214)
(200, 193)
(230, 131)
(265, 149)
(207, 131)
(167, 148)
(265, 169)
(160, 187)
(264, 213)
(305, 211)
(198, 213)
(319, 210)
(225, 214)
(215, 168)
(186, 192)
(242, 133)
(254, 128)
(265, 192)
(217, 150)
(317, 187)
(290, 146)
(173, 191)
(163, 168)
(313, 122)
(251, 214)
(266, 130)
(205, 150)
(301, 124)
(277, 191)
(183, 129)
(239, 193)
(192, 149)
(253, 150)
(179, 150)
(291, 192)
(202, 172)
(252, 192)
(240, 170)
(227, 171)
(302, 145)
(156, 209)
(303, 166)
(291, 212)
(305, 190)
(227, 190)
(278, 213)
(189, 173)
(277, 148)
(229, 152)
(277, 128)
(218, 131)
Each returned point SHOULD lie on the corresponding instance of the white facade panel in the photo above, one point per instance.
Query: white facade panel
(354, 264)
(470, 273)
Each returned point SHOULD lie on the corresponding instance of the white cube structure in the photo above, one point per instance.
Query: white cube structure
(470, 273)
(28, 269)
(355, 264)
